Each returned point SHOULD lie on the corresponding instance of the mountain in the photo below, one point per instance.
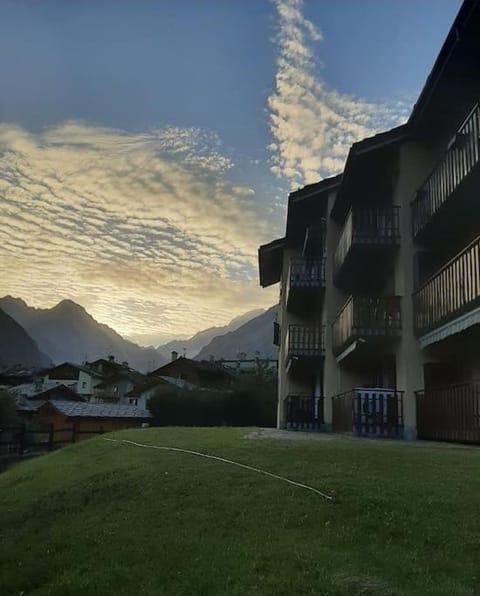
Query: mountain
(190, 347)
(17, 347)
(256, 335)
(67, 332)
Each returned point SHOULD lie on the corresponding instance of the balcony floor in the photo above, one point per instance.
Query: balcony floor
(359, 353)
(305, 300)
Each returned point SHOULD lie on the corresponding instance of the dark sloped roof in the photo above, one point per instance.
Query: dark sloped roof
(28, 405)
(88, 410)
(58, 390)
(81, 367)
(466, 19)
(369, 148)
(270, 257)
(150, 383)
(314, 189)
(130, 374)
(202, 366)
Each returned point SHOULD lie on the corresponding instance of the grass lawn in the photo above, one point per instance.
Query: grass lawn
(103, 518)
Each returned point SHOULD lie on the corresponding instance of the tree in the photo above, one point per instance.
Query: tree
(249, 401)
(8, 409)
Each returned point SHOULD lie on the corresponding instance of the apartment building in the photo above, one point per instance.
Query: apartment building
(379, 271)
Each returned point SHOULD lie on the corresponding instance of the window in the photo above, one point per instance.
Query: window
(133, 401)
(84, 384)
(115, 389)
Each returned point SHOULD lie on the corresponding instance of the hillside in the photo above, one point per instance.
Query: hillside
(192, 346)
(254, 336)
(115, 519)
(67, 332)
(17, 347)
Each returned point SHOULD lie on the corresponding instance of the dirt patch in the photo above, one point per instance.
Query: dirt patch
(289, 435)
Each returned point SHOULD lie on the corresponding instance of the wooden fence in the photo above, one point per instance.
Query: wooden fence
(22, 439)
(450, 413)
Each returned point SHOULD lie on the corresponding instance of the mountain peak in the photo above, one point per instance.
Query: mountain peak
(13, 300)
(68, 305)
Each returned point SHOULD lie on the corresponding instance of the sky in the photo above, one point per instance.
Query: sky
(147, 148)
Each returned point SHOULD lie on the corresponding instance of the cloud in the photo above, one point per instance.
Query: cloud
(144, 229)
(313, 126)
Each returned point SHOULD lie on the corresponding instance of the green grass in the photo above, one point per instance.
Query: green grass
(103, 518)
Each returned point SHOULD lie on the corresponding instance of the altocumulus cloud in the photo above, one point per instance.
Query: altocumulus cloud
(312, 125)
(144, 229)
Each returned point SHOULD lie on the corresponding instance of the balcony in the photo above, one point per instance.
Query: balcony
(306, 341)
(305, 348)
(367, 318)
(306, 282)
(368, 232)
(450, 413)
(304, 412)
(452, 186)
(369, 412)
(452, 292)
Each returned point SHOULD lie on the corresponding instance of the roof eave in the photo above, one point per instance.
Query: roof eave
(270, 259)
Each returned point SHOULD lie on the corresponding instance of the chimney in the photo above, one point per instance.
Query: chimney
(111, 358)
(174, 355)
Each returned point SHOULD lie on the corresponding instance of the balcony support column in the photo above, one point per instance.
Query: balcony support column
(409, 357)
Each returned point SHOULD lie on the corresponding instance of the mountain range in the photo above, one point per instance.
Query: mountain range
(67, 332)
(254, 336)
(17, 347)
(192, 346)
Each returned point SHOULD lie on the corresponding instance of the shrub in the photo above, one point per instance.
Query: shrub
(251, 401)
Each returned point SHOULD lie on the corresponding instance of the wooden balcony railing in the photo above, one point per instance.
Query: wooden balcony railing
(304, 412)
(454, 290)
(306, 341)
(364, 317)
(367, 227)
(462, 155)
(306, 273)
(369, 411)
(450, 413)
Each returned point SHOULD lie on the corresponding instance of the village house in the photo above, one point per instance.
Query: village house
(107, 367)
(92, 418)
(200, 373)
(80, 378)
(379, 271)
(115, 388)
(141, 394)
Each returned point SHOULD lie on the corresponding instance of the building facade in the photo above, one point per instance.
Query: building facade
(379, 271)
(77, 377)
